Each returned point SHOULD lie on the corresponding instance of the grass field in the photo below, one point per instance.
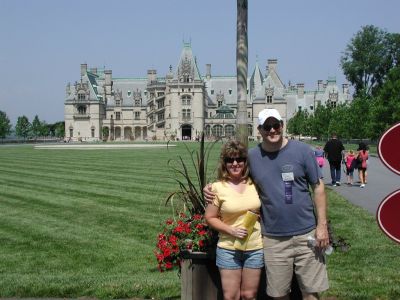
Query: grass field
(77, 223)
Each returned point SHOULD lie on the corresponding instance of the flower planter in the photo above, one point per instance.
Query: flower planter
(200, 279)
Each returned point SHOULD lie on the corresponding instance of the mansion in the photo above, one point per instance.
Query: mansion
(183, 103)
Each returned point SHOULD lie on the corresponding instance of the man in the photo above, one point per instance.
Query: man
(334, 152)
(283, 170)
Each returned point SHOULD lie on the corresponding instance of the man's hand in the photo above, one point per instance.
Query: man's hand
(208, 194)
(321, 236)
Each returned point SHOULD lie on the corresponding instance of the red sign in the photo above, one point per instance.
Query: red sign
(388, 211)
(389, 148)
(388, 216)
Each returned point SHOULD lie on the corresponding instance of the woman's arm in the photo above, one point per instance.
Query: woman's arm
(215, 222)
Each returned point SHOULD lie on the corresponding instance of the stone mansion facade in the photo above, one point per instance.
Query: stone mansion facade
(182, 104)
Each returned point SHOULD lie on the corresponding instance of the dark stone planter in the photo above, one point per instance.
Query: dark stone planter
(200, 279)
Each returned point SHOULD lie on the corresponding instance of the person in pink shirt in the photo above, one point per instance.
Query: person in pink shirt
(350, 164)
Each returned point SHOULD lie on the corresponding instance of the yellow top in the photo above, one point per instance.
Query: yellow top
(233, 207)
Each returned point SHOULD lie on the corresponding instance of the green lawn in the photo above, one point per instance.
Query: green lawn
(77, 223)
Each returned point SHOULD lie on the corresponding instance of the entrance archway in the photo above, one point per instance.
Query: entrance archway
(186, 132)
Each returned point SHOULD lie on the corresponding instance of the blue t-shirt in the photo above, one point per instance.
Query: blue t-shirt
(283, 179)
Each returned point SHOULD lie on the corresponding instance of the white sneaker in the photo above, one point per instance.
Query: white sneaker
(362, 185)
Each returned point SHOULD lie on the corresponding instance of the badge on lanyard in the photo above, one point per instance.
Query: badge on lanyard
(288, 179)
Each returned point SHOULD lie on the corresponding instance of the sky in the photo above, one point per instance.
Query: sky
(43, 42)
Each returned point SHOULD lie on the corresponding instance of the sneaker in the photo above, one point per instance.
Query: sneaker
(334, 184)
(362, 185)
(337, 183)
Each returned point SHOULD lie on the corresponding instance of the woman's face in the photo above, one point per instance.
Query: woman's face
(235, 166)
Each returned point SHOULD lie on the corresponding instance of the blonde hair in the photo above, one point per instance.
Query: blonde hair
(232, 149)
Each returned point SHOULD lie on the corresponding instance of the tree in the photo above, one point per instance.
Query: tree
(385, 108)
(5, 125)
(241, 71)
(36, 126)
(320, 122)
(299, 124)
(368, 58)
(59, 129)
(23, 127)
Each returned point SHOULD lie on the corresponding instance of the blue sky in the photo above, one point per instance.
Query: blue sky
(43, 42)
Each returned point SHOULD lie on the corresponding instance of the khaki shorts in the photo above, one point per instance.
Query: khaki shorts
(283, 255)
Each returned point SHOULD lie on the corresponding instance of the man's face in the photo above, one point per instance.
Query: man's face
(271, 130)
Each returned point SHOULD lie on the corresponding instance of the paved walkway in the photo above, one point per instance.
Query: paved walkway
(381, 182)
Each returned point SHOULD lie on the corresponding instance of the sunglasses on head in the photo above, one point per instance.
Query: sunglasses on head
(230, 160)
(275, 126)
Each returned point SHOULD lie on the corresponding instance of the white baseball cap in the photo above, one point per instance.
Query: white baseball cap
(268, 113)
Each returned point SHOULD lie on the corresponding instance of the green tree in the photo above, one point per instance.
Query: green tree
(241, 71)
(339, 121)
(320, 122)
(59, 129)
(5, 125)
(368, 58)
(299, 124)
(23, 127)
(36, 126)
(385, 108)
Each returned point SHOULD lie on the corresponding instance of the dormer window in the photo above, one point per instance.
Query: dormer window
(220, 103)
(81, 96)
(129, 93)
(230, 91)
(118, 102)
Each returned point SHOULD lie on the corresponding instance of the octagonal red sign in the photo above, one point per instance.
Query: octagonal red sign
(389, 148)
(388, 216)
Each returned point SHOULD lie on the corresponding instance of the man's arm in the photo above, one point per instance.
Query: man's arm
(321, 232)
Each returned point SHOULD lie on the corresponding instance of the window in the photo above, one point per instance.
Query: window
(217, 130)
(160, 117)
(311, 107)
(229, 130)
(208, 130)
(118, 102)
(92, 132)
(137, 115)
(82, 110)
(186, 100)
(299, 108)
(137, 102)
(210, 114)
(249, 114)
(212, 92)
(269, 99)
(81, 96)
(71, 132)
(230, 91)
(152, 95)
(186, 114)
(159, 94)
(250, 130)
(160, 104)
(129, 93)
(117, 116)
(220, 103)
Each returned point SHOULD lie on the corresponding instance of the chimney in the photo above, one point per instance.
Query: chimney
(300, 90)
(108, 81)
(93, 70)
(320, 85)
(208, 74)
(345, 87)
(272, 65)
(83, 69)
(68, 89)
(151, 76)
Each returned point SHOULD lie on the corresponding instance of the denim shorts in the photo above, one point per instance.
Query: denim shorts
(238, 259)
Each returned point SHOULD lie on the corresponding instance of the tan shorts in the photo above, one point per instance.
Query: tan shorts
(283, 254)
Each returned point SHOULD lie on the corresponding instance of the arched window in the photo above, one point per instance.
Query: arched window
(208, 130)
(229, 130)
(217, 130)
(82, 110)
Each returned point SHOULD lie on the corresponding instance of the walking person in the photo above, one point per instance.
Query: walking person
(334, 152)
(350, 165)
(283, 170)
(319, 156)
(362, 158)
(239, 256)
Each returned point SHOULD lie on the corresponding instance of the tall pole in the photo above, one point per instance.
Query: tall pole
(241, 71)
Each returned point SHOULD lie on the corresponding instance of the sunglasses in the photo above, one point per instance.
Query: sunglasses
(230, 160)
(275, 126)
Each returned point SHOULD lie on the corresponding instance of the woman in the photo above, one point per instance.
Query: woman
(362, 157)
(319, 156)
(236, 195)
